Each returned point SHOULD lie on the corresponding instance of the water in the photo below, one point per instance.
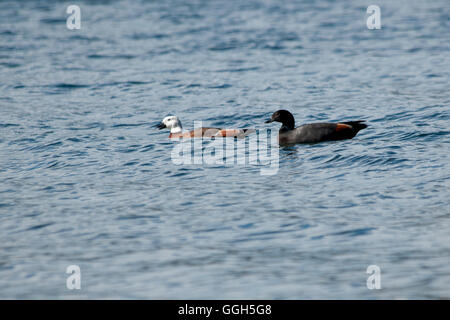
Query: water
(85, 179)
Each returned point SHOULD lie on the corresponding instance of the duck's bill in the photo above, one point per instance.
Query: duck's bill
(160, 126)
(268, 121)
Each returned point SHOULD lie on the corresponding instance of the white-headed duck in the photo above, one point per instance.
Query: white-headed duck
(176, 130)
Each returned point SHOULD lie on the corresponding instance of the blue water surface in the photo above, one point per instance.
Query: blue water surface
(85, 178)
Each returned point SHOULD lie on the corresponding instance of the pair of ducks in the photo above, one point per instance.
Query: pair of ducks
(288, 134)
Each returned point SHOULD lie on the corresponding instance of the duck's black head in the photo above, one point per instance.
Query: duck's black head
(285, 117)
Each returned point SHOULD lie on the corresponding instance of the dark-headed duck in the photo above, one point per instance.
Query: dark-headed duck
(313, 132)
(176, 130)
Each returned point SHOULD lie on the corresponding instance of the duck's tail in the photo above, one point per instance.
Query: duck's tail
(357, 125)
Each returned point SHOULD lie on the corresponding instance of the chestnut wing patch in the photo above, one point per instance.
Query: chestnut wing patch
(342, 126)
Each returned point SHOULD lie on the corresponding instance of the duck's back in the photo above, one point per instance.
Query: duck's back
(208, 132)
(318, 132)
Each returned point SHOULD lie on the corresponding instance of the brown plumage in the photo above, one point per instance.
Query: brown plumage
(174, 124)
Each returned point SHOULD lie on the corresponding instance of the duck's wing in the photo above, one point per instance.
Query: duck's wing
(210, 132)
(318, 132)
(196, 133)
(236, 133)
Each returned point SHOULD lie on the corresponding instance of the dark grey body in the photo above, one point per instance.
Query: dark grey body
(313, 132)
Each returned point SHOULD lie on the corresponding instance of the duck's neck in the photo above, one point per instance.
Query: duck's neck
(288, 123)
(176, 129)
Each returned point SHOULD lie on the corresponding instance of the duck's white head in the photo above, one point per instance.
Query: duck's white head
(172, 123)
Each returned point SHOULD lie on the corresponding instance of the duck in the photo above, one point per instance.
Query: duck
(176, 130)
(313, 132)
